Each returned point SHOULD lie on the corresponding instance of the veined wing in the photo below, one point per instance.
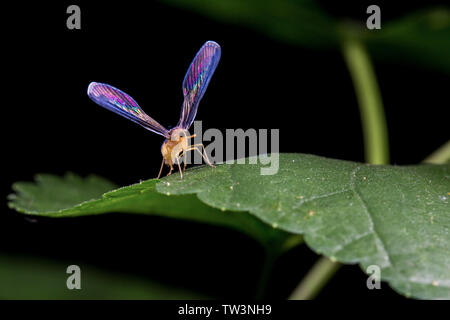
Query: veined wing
(196, 81)
(119, 102)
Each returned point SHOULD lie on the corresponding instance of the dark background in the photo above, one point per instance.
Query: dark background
(51, 126)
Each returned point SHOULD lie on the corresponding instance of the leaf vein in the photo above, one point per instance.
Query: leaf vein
(372, 229)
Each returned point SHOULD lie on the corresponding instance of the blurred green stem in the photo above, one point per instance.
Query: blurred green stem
(271, 255)
(272, 252)
(315, 280)
(441, 155)
(292, 242)
(369, 101)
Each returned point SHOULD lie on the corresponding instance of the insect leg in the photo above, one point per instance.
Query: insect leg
(195, 147)
(179, 168)
(160, 170)
(181, 156)
(170, 172)
(204, 155)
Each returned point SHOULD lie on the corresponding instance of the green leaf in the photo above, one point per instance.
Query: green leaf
(71, 196)
(52, 193)
(36, 278)
(395, 217)
(298, 22)
(418, 37)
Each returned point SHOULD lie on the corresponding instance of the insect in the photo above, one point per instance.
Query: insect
(195, 83)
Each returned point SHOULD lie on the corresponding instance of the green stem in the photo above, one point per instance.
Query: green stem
(369, 101)
(271, 255)
(315, 280)
(272, 252)
(292, 242)
(441, 155)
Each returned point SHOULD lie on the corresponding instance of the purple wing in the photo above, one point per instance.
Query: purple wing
(196, 81)
(119, 102)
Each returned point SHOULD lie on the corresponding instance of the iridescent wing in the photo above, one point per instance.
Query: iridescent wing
(196, 81)
(119, 102)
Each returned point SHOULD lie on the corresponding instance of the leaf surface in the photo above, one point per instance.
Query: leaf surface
(72, 196)
(395, 217)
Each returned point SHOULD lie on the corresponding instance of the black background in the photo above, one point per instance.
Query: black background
(51, 126)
